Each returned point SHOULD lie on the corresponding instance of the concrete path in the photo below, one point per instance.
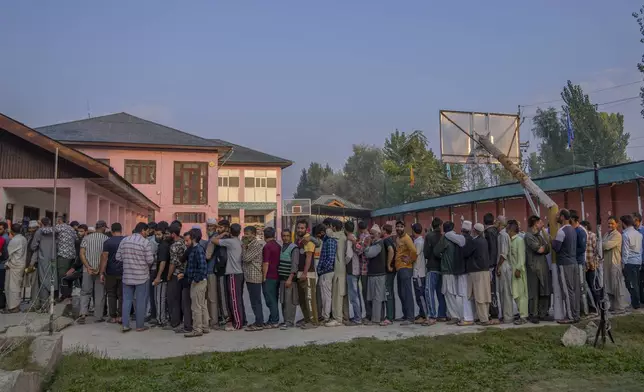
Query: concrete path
(108, 340)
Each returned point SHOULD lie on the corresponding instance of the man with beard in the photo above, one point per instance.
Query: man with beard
(405, 257)
(565, 245)
(504, 272)
(218, 253)
(175, 269)
(234, 275)
(478, 273)
(492, 239)
(160, 282)
(211, 286)
(389, 243)
(339, 286)
(376, 254)
(449, 248)
(519, 279)
(287, 268)
(270, 270)
(306, 276)
(433, 285)
(253, 275)
(537, 247)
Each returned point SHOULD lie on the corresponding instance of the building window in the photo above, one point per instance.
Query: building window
(254, 219)
(260, 185)
(190, 183)
(140, 172)
(190, 217)
(228, 181)
(105, 161)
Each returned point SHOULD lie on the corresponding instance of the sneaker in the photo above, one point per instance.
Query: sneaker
(193, 334)
(351, 323)
(309, 326)
(333, 323)
(520, 321)
(286, 326)
(534, 320)
(453, 321)
(442, 319)
(254, 327)
(181, 330)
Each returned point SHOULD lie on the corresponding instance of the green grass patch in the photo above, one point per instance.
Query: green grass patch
(529, 359)
(19, 357)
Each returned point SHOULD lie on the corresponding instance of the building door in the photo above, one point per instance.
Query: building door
(32, 213)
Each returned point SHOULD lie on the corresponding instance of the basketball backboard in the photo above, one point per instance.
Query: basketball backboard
(457, 129)
(296, 207)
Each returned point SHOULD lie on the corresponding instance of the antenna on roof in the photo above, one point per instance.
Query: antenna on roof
(226, 158)
(89, 112)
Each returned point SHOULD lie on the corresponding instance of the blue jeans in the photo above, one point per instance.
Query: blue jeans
(139, 294)
(433, 289)
(406, 292)
(354, 297)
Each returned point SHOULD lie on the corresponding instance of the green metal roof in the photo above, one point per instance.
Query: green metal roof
(607, 175)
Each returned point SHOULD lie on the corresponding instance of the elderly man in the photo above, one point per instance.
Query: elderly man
(537, 247)
(477, 262)
(454, 285)
(517, 262)
(43, 244)
(376, 255)
(504, 272)
(15, 268)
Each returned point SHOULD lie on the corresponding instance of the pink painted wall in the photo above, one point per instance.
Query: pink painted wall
(162, 192)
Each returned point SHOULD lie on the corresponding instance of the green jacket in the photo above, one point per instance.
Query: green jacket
(451, 254)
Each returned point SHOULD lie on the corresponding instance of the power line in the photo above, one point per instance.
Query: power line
(590, 92)
(617, 101)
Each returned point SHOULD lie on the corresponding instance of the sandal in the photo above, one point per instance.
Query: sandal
(429, 323)
(254, 327)
(142, 329)
(465, 323)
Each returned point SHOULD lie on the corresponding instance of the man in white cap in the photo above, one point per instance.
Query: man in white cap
(376, 255)
(477, 261)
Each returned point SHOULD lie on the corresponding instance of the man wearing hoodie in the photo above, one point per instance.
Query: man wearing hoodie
(449, 248)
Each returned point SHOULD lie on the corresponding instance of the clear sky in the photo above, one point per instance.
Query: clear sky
(305, 80)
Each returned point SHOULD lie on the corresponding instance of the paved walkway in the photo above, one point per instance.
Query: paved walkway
(107, 339)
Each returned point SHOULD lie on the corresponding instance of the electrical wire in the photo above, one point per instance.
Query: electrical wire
(589, 92)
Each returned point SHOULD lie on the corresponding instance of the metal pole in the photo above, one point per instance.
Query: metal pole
(53, 252)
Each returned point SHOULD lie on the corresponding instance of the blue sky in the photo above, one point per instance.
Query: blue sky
(306, 80)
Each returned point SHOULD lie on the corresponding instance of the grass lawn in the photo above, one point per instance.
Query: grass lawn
(19, 357)
(530, 359)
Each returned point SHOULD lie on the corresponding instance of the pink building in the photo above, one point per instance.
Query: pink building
(87, 190)
(190, 178)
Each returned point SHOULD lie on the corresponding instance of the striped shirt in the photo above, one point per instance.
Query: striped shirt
(137, 256)
(93, 245)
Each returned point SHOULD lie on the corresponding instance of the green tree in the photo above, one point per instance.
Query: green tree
(552, 134)
(309, 186)
(403, 152)
(599, 137)
(639, 17)
(365, 173)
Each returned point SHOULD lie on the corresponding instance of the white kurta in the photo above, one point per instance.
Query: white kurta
(16, 263)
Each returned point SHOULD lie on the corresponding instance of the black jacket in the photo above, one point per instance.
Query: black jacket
(476, 254)
(492, 238)
(431, 240)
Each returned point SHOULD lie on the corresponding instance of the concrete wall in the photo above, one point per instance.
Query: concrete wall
(43, 200)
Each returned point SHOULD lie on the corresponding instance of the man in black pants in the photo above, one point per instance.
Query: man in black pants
(175, 270)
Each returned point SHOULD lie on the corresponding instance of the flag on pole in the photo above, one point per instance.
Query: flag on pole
(571, 131)
(412, 180)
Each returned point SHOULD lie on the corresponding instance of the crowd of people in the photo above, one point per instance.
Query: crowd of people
(336, 273)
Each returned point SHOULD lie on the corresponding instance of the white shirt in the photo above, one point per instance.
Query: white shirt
(419, 265)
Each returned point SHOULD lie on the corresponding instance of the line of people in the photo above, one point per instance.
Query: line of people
(337, 275)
